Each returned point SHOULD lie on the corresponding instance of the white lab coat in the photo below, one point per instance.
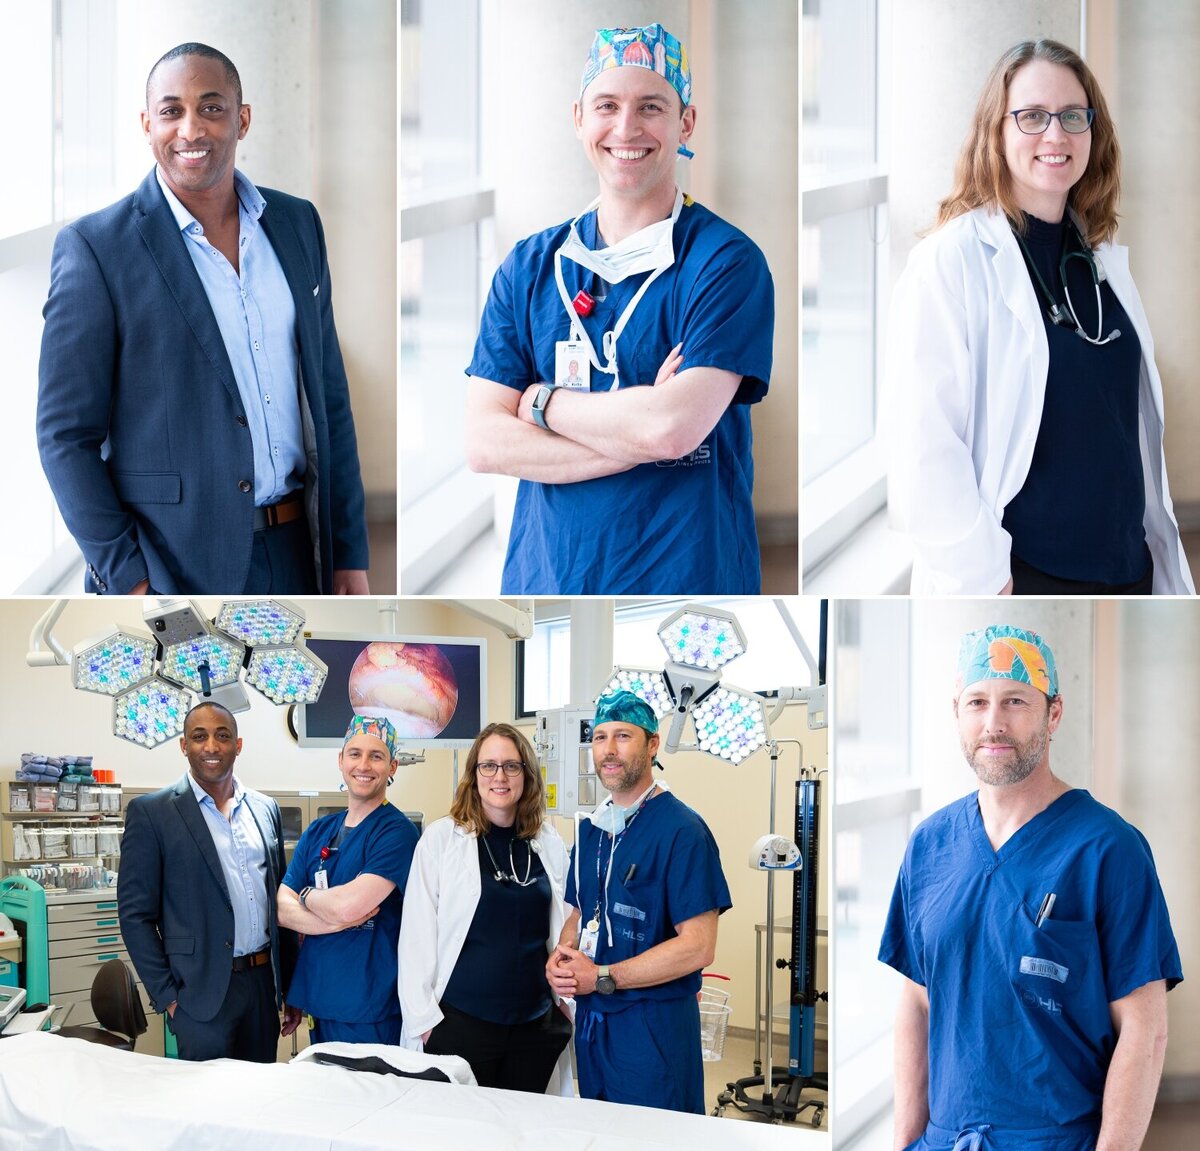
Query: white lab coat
(439, 904)
(967, 361)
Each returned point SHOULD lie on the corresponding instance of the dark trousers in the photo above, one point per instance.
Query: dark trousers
(1028, 580)
(281, 561)
(517, 1056)
(246, 1027)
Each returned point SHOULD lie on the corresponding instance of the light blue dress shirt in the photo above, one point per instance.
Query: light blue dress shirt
(257, 317)
(243, 857)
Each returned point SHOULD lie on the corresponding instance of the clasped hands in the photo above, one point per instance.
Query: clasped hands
(569, 972)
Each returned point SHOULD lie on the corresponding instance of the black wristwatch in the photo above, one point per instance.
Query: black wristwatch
(540, 401)
(605, 983)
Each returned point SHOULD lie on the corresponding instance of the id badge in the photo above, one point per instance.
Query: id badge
(321, 880)
(572, 365)
(588, 938)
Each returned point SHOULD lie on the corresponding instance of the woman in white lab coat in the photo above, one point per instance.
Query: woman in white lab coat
(482, 910)
(1026, 439)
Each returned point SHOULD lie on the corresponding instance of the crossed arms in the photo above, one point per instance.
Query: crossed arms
(594, 434)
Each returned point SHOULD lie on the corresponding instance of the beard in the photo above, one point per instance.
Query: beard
(632, 771)
(1012, 769)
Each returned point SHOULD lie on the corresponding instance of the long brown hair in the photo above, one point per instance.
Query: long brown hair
(467, 808)
(981, 175)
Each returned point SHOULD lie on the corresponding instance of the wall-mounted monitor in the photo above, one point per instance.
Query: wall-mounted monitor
(432, 688)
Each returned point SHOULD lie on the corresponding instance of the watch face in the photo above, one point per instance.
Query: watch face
(606, 984)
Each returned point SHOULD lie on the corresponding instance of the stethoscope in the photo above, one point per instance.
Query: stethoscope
(1058, 314)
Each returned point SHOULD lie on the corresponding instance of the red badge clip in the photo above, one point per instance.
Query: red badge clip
(583, 303)
(324, 854)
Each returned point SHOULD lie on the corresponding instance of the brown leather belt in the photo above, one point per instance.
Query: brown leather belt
(245, 962)
(291, 507)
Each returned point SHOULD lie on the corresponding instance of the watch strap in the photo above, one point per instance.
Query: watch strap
(541, 402)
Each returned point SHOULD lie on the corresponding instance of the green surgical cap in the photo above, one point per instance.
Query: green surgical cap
(1006, 652)
(625, 707)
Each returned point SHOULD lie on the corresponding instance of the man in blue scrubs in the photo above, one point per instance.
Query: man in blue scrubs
(344, 891)
(1033, 936)
(669, 313)
(647, 875)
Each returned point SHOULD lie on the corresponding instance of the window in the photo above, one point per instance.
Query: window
(445, 229)
(844, 214)
(772, 659)
(64, 68)
(877, 799)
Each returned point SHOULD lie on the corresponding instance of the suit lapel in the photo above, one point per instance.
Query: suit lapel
(302, 280)
(193, 819)
(270, 838)
(160, 233)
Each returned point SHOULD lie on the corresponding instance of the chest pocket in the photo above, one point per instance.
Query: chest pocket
(1057, 976)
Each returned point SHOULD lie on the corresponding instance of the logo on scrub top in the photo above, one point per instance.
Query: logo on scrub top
(702, 455)
(1050, 1006)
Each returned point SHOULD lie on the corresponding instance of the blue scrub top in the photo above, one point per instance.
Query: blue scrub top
(350, 975)
(1020, 1035)
(674, 526)
(678, 876)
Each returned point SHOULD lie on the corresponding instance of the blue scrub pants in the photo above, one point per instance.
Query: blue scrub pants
(985, 1137)
(385, 1031)
(647, 1054)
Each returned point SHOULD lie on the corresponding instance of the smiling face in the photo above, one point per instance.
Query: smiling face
(193, 123)
(366, 766)
(1004, 728)
(210, 742)
(500, 793)
(629, 122)
(623, 754)
(1044, 168)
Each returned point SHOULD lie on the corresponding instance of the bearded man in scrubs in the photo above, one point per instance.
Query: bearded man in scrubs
(669, 312)
(644, 892)
(1033, 938)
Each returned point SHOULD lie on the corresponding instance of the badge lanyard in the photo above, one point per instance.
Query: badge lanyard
(579, 332)
(593, 926)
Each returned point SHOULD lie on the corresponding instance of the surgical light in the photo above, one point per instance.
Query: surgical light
(287, 674)
(112, 663)
(648, 685)
(730, 724)
(706, 638)
(150, 713)
(260, 623)
(151, 677)
(182, 662)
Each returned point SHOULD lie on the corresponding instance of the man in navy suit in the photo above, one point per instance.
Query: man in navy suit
(201, 861)
(193, 412)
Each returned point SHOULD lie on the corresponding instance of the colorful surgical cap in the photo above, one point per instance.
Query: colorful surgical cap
(625, 707)
(377, 726)
(1006, 652)
(651, 47)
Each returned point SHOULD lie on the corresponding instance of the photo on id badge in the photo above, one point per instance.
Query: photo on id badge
(572, 369)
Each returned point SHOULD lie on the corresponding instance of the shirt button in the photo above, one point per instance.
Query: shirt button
(241, 421)
(256, 345)
(245, 485)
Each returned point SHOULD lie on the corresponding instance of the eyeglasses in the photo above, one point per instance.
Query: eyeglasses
(510, 766)
(1034, 121)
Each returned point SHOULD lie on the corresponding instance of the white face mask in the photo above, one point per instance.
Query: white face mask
(650, 250)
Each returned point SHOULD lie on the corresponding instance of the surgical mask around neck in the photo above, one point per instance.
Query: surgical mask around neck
(652, 249)
(612, 817)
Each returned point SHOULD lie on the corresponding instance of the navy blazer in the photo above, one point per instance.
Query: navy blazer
(141, 428)
(173, 902)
